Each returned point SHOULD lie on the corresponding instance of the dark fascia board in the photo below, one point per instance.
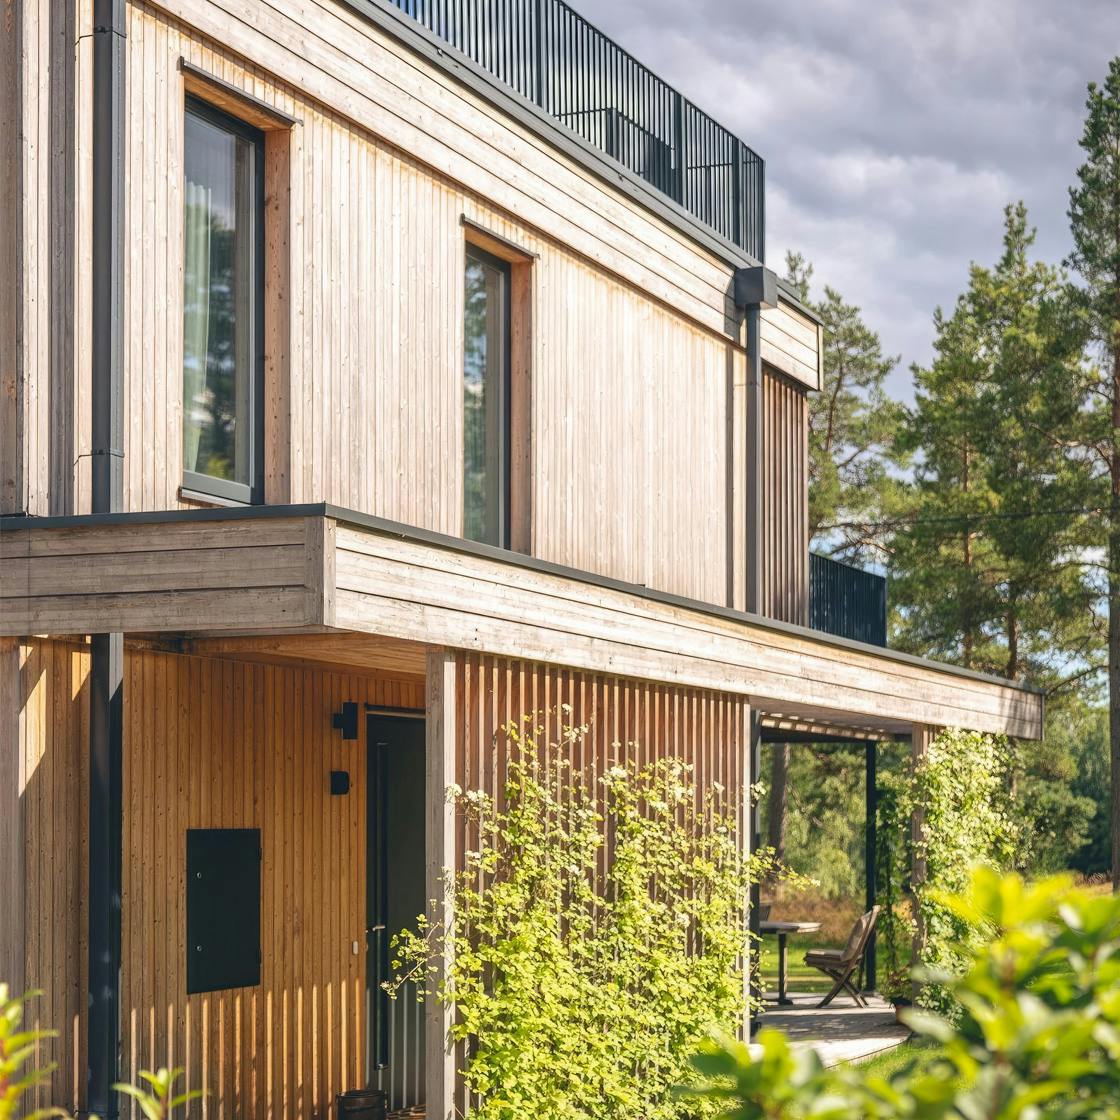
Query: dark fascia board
(439, 52)
(501, 555)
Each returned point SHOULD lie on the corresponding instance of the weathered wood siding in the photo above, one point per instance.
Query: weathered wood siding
(634, 446)
(629, 721)
(208, 743)
(785, 500)
(45, 64)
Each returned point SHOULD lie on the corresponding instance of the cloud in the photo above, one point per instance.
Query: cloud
(894, 132)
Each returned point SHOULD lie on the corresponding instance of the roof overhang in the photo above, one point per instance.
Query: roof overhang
(315, 568)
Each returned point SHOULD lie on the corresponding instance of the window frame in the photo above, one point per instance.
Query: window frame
(475, 252)
(224, 489)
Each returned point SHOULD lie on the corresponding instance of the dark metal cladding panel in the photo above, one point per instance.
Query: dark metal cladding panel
(846, 601)
(223, 908)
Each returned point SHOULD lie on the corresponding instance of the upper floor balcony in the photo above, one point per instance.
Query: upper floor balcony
(847, 601)
(556, 59)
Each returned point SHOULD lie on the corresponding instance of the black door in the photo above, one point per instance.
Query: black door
(394, 898)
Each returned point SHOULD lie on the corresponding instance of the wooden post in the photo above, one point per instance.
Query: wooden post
(13, 778)
(439, 856)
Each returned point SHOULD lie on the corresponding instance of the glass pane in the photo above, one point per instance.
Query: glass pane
(218, 288)
(484, 391)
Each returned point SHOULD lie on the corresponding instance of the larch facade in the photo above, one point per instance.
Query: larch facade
(428, 417)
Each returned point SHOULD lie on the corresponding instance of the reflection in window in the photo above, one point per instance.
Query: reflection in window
(222, 259)
(485, 399)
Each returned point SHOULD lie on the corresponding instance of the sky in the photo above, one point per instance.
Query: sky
(894, 131)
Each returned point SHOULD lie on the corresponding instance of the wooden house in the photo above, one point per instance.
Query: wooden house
(372, 373)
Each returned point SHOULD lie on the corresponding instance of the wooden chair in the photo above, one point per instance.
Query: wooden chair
(839, 964)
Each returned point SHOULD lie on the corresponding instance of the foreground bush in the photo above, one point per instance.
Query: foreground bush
(1037, 1033)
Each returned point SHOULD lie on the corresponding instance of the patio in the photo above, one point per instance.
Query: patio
(841, 1032)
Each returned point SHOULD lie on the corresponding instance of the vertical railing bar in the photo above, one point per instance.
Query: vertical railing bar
(551, 55)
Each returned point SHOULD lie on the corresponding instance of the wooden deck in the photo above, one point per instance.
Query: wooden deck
(841, 1032)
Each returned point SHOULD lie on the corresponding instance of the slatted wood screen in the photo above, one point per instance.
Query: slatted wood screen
(208, 743)
(785, 509)
(628, 721)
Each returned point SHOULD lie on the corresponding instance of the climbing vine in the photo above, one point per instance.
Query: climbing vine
(598, 935)
(962, 789)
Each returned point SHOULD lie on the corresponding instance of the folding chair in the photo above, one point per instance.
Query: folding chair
(839, 964)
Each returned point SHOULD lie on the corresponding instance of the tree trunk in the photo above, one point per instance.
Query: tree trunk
(1114, 624)
(778, 812)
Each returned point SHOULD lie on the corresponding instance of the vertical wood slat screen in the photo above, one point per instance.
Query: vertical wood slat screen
(208, 743)
(629, 721)
(785, 508)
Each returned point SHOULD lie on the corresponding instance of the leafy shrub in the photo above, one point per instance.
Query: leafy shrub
(598, 936)
(157, 1097)
(962, 787)
(18, 1048)
(1037, 1034)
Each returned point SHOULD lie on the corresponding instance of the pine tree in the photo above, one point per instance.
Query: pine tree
(989, 565)
(852, 424)
(1094, 214)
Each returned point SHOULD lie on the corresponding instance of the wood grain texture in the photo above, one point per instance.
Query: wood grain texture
(785, 506)
(628, 721)
(442, 731)
(44, 59)
(411, 590)
(790, 342)
(51, 708)
(626, 466)
(273, 573)
(209, 742)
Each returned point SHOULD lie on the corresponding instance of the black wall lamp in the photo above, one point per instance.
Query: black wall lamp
(346, 720)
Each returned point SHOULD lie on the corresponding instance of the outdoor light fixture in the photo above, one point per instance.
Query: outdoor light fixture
(346, 720)
(340, 783)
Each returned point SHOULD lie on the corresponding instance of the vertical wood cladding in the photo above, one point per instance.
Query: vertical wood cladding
(785, 507)
(629, 721)
(212, 743)
(629, 422)
(208, 744)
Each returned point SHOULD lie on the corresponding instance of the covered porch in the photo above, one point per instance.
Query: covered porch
(264, 654)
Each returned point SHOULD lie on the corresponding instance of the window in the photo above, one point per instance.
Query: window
(223, 281)
(486, 399)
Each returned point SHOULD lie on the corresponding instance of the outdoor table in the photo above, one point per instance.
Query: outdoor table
(783, 930)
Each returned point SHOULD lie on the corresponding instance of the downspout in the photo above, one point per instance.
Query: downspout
(107, 494)
(755, 288)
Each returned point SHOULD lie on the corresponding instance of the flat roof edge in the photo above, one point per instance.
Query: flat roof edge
(457, 544)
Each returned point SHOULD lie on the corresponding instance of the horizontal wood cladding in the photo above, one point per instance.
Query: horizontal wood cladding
(791, 342)
(383, 580)
(785, 507)
(199, 575)
(209, 743)
(407, 589)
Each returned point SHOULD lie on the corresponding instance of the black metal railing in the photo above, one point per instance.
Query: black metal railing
(847, 601)
(551, 55)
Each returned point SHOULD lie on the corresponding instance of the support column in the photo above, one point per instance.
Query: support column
(439, 842)
(106, 496)
(13, 779)
(871, 803)
(920, 738)
(106, 730)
